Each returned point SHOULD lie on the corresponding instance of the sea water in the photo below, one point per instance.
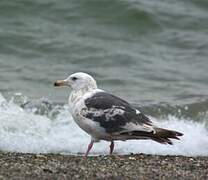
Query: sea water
(40, 127)
(151, 53)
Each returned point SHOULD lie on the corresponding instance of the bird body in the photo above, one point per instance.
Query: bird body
(77, 107)
(107, 117)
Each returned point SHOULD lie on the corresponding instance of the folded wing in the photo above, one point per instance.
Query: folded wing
(120, 119)
(114, 114)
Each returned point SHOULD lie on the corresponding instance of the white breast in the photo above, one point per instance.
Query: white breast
(76, 103)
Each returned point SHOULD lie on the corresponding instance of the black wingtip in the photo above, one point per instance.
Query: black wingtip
(179, 134)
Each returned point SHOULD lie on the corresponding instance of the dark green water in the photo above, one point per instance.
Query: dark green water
(153, 53)
(144, 51)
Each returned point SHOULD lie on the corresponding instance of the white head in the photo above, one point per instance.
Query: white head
(78, 81)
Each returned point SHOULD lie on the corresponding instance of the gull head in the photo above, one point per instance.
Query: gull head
(78, 81)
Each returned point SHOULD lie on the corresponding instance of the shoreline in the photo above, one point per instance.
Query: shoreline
(135, 166)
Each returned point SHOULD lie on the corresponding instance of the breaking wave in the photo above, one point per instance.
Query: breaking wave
(40, 126)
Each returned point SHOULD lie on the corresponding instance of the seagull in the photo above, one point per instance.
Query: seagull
(105, 116)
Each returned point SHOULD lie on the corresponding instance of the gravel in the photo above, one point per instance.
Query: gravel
(138, 166)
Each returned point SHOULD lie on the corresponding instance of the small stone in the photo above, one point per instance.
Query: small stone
(132, 158)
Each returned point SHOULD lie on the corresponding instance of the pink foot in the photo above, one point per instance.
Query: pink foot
(111, 147)
(89, 148)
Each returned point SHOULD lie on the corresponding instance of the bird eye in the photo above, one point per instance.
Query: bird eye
(74, 78)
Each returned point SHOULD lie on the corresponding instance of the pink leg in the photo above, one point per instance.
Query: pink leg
(89, 147)
(111, 147)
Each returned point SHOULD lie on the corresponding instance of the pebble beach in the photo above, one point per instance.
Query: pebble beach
(135, 166)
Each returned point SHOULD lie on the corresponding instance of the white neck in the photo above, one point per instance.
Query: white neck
(77, 94)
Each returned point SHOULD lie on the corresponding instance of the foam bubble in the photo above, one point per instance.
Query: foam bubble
(24, 131)
(2, 99)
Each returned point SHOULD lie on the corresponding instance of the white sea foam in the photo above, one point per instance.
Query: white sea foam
(23, 131)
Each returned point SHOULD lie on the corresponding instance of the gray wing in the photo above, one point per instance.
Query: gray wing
(114, 114)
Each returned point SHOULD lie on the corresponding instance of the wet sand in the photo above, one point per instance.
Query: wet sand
(138, 166)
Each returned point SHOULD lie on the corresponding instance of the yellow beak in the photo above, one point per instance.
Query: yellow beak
(61, 83)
